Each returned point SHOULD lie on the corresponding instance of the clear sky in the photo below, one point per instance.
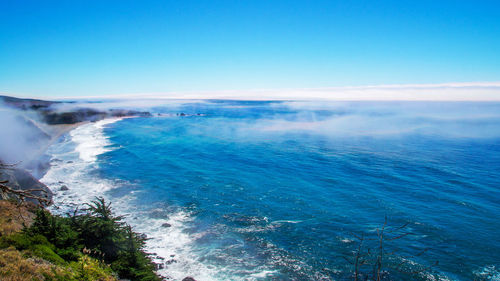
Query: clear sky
(79, 48)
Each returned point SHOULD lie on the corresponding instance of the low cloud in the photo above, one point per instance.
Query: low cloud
(422, 92)
(473, 91)
(476, 120)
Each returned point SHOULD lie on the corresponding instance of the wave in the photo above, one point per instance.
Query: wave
(73, 160)
(91, 140)
(74, 179)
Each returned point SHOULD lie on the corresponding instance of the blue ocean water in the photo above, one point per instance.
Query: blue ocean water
(235, 190)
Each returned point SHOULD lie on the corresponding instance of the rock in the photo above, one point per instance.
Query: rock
(166, 225)
(189, 279)
(60, 182)
(20, 179)
(64, 188)
(171, 261)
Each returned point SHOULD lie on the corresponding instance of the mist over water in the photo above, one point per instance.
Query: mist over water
(21, 138)
(275, 190)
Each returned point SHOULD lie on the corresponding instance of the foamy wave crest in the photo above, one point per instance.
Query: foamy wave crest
(91, 140)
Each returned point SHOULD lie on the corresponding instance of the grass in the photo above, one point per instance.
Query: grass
(14, 216)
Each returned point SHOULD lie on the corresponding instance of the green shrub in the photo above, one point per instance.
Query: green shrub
(45, 252)
(96, 232)
(21, 241)
(85, 243)
(36, 245)
(87, 268)
(59, 232)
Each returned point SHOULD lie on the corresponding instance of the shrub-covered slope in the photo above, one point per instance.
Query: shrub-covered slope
(91, 245)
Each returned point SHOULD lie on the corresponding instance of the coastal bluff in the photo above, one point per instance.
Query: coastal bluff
(29, 127)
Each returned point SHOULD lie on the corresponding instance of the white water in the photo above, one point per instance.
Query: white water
(73, 161)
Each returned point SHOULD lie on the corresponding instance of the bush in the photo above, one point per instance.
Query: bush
(45, 252)
(97, 233)
(36, 245)
(90, 269)
(109, 238)
(86, 243)
(58, 232)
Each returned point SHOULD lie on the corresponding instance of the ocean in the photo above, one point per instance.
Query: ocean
(284, 190)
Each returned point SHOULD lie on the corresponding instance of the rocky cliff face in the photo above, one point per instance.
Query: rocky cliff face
(20, 179)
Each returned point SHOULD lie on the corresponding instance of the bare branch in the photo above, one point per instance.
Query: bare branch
(23, 194)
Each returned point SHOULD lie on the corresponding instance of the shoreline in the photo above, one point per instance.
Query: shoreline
(38, 162)
(73, 184)
(70, 191)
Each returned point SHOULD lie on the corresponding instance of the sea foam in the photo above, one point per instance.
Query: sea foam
(74, 164)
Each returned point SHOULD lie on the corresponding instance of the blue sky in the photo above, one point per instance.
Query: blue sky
(91, 48)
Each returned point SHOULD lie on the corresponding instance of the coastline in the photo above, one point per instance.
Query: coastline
(73, 180)
(40, 161)
(44, 131)
(28, 173)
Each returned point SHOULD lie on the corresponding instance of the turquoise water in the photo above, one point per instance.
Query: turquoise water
(281, 190)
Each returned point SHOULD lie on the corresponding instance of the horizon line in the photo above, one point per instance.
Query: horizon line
(453, 91)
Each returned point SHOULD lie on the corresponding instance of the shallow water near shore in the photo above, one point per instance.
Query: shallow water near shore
(279, 190)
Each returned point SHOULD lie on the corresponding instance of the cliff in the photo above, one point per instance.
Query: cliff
(28, 128)
(20, 179)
